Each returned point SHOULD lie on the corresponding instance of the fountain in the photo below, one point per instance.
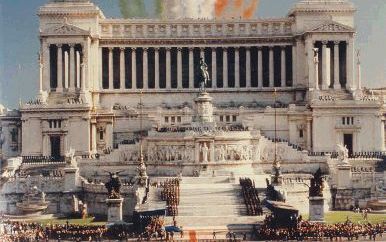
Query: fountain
(33, 202)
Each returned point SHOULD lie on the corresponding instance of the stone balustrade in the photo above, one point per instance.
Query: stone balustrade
(194, 28)
(100, 188)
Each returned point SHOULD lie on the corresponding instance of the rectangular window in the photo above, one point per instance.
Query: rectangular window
(179, 119)
(173, 119)
(228, 118)
(234, 118)
(343, 121)
(101, 135)
(221, 118)
(352, 120)
(166, 119)
(301, 133)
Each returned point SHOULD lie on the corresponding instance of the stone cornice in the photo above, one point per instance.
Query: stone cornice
(331, 27)
(65, 29)
(198, 41)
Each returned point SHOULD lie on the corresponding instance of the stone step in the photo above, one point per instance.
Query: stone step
(205, 180)
(208, 186)
(214, 201)
(212, 210)
(209, 222)
(208, 192)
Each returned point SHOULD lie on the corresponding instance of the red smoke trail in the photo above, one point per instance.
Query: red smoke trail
(250, 10)
(238, 3)
(219, 7)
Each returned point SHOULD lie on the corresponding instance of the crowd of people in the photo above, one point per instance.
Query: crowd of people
(251, 197)
(28, 232)
(305, 230)
(171, 194)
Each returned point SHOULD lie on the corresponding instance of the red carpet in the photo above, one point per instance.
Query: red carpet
(192, 236)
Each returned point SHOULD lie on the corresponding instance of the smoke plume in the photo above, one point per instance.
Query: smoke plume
(179, 9)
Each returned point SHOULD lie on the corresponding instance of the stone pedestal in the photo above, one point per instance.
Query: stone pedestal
(70, 178)
(316, 211)
(344, 176)
(204, 108)
(114, 210)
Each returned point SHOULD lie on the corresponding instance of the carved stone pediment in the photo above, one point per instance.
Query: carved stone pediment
(66, 29)
(332, 26)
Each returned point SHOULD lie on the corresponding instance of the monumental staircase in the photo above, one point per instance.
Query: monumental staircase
(213, 203)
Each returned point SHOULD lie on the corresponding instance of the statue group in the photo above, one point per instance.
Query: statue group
(204, 75)
(113, 186)
(316, 184)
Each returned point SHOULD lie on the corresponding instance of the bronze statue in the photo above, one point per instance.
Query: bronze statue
(272, 194)
(113, 186)
(204, 75)
(316, 186)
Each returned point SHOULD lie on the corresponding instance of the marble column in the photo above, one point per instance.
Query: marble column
(337, 85)
(214, 67)
(191, 68)
(60, 69)
(359, 72)
(309, 132)
(41, 68)
(310, 64)
(64, 139)
(260, 67)
(248, 66)
(83, 76)
(77, 81)
(271, 68)
(316, 71)
(45, 145)
(179, 68)
(325, 66)
(283, 67)
(168, 69)
(66, 69)
(156, 68)
(72, 68)
(294, 62)
(237, 67)
(122, 68)
(46, 65)
(111, 68)
(350, 64)
(133, 68)
(145, 69)
(225, 67)
(93, 138)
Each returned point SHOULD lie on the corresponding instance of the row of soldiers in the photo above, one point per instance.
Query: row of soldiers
(251, 197)
(171, 194)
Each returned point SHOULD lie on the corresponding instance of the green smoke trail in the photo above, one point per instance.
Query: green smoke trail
(158, 8)
(132, 8)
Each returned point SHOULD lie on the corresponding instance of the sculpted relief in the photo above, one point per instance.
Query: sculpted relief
(237, 152)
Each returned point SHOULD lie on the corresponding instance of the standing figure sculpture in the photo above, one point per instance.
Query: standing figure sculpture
(204, 150)
(342, 153)
(204, 75)
(316, 186)
(113, 186)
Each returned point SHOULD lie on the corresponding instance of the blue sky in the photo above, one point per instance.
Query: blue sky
(19, 42)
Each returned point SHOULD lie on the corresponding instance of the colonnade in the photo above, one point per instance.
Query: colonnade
(332, 68)
(67, 67)
(183, 75)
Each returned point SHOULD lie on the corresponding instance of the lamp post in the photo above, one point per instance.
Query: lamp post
(276, 164)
